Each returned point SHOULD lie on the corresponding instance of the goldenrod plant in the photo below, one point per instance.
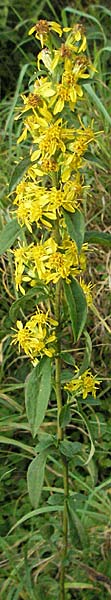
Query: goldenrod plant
(51, 264)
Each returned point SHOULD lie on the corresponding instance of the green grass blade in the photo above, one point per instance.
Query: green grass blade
(100, 106)
(14, 102)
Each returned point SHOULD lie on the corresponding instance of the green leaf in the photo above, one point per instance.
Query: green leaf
(34, 513)
(71, 306)
(76, 227)
(35, 478)
(97, 102)
(45, 441)
(69, 449)
(92, 447)
(81, 307)
(94, 159)
(95, 237)
(87, 354)
(77, 306)
(65, 416)
(11, 442)
(18, 173)
(8, 235)
(37, 393)
(38, 292)
(77, 531)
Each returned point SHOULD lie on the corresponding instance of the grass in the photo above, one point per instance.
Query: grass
(29, 560)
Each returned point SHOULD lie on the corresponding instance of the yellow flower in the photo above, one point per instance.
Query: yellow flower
(43, 167)
(87, 289)
(33, 204)
(67, 91)
(34, 259)
(51, 139)
(83, 384)
(35, 338)
(63, 54)
(74, 160)
(76, 34)
(59, 265)
(43, 28)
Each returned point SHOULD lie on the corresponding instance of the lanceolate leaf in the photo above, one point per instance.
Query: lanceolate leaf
(76, 227)
(96, 237)
(18, 173)
(37, 393)
(81, 307)
(71, 306)
(77, 307)
(35, 478)
(8, 235)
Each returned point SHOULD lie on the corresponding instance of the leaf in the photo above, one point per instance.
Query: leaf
(11, 442)
(95, 237)
(18, 173)
(34, 513)
(77, 306)
(38, 292)
(8, 235)
(77, 585)
(87, 354)
(65, 416)
(71, 306)
(35, 478)
(76, 227)
(69, 449)
(37, 393)
(81, 307)
(97, 102)
(77, 530)
(45, 441)
(94, 159)
(92, 447)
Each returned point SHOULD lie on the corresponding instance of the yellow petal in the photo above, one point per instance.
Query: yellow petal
(31, 30)
(73, 94)
(35, 155)
(83, 46)
(58, 106)
(22, 136)
(56, 27)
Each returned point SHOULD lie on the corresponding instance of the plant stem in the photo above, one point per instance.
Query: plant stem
(60, 435)
(58, 364)
(65, 530)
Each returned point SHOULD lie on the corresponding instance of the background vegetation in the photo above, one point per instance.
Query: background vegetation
(27, 570)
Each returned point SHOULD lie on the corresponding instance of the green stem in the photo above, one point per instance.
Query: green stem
(58, 364)
(60, 435)
(60, 432)
(65, 531)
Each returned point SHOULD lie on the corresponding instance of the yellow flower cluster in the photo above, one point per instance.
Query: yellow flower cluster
(83, 384)
(40, 205)
(35, 338)
(53, 184)
(47, 262)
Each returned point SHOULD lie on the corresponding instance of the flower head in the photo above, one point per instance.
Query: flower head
(42, 30)
(35, 337)
(83, 384)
